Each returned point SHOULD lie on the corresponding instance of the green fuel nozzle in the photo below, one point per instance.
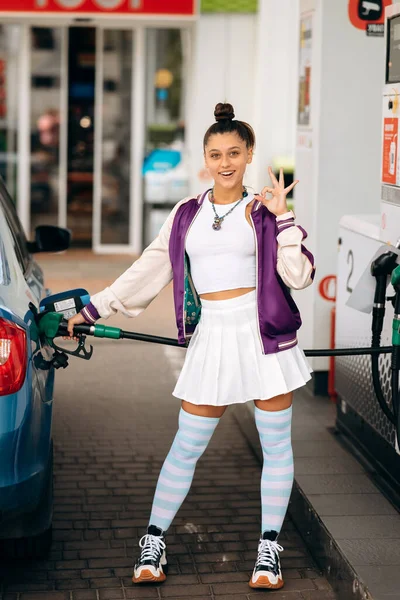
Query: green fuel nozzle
(50, 325)
(396, 278)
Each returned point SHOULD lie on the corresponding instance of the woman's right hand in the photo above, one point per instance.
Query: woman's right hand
(77, 319)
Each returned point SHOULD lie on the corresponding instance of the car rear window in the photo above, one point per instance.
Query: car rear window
(9, 215)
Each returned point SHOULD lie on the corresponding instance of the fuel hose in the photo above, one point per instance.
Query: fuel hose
(103, 331)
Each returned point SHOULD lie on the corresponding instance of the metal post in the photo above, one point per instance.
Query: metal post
(23, 134)
(63, 141)
(138, 138)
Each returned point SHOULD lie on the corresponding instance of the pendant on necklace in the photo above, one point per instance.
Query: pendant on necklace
(217, 224)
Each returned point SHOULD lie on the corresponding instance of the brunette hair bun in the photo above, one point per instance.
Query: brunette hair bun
(224, 112)
(226, 123)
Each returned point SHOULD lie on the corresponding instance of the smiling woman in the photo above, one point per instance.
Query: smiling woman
(232, 256)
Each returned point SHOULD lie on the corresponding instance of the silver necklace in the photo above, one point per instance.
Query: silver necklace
(217, 219)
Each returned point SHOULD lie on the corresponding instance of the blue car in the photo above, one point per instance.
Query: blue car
(26, 389)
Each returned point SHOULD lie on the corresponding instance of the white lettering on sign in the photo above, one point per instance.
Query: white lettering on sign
(70, 3)
(389, 127)
(106, 4)
(376, 27)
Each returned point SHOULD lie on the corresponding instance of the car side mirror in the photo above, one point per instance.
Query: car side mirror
(49, 238)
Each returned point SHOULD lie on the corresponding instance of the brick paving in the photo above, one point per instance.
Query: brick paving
(114, 421)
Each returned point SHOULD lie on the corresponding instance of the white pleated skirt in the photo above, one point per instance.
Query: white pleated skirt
(224, 363)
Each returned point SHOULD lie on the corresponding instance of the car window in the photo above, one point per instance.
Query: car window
(18, 235)
(5, 278)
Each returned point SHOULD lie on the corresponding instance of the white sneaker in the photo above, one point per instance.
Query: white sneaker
(267, 572)
(152, 565)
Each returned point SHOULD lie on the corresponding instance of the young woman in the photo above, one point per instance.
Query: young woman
(232, 256)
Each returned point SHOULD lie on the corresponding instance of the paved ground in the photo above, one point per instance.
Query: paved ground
(114, 422)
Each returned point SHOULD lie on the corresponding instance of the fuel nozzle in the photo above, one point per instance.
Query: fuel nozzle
(381, 268)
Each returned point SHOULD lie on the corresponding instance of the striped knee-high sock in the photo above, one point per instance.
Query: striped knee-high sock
(177, 472)
(274, 429)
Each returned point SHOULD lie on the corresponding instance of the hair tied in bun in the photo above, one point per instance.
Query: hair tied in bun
(226, 123)
(224, 112)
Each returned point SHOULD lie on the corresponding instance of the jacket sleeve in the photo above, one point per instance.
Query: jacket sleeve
(133, 291)
(295, 264)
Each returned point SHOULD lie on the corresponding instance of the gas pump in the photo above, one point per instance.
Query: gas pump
(367, 388)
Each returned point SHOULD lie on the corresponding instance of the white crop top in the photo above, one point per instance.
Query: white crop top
(223, 259)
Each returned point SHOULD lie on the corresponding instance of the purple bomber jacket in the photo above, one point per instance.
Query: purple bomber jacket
(282, 261)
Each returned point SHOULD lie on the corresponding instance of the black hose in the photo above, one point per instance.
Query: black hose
(395, 368)
(144, 337)
(376, 380)
(378, 389)
(349, 351)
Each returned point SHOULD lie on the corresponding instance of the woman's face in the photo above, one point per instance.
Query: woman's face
(226, 158)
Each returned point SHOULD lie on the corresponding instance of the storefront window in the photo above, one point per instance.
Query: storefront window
(45, 124)
(116, 136)
(165, 169)
(10, 37)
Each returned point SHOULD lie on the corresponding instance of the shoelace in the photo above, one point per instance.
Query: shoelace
(267, 551)
(152, 547)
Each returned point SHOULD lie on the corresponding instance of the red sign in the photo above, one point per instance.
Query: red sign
(327, 288)
(117, 7)
(362, 12)
(389, 154)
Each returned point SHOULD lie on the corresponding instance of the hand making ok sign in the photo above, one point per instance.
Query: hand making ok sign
(277, 204)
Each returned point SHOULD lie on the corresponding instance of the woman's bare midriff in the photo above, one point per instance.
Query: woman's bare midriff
(227, 294)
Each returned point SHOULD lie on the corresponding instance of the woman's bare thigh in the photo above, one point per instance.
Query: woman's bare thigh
(203, 410)
(277, 403)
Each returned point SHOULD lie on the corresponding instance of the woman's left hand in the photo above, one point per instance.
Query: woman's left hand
(277, 204)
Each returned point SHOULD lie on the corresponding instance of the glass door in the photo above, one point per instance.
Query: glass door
(85, 105)
(80, 106)
(10, 90)
(115, 63)
(48, 122)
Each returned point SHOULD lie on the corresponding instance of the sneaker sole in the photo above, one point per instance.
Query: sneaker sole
(148, 577)
(264, 582)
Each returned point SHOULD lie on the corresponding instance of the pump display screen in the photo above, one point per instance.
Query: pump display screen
(393, 51)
